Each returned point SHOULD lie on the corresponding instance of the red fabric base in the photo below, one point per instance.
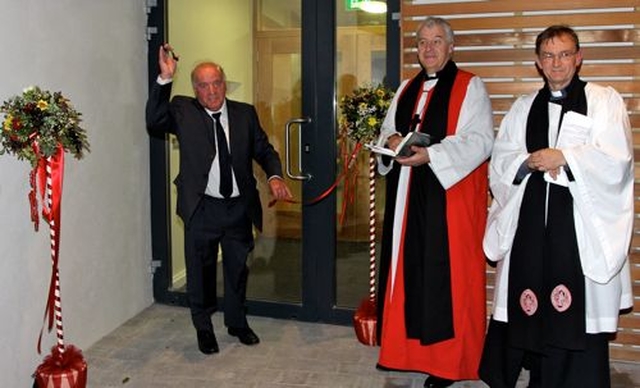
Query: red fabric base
(365, 322)
(62, 370)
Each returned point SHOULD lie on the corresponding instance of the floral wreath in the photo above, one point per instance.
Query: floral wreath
(37, 122)
(361, 116)
(363, 111)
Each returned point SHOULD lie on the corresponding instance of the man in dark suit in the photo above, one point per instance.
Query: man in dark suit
(217, 196)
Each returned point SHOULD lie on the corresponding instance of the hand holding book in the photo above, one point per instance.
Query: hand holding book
(419, 139)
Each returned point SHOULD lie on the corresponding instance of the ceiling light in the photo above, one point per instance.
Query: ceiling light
(373, 6)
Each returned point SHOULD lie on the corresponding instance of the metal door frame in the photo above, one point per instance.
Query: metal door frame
(319, 137)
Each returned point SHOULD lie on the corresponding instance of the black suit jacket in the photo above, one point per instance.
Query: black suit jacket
(187, 119)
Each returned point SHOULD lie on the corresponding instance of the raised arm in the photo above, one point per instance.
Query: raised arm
(167, 61)
(158, 116)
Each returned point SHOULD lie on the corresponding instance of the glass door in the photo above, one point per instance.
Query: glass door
(360, 61)
(292, 60)
(276, 265)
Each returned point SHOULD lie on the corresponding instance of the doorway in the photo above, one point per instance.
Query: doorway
(292, 60)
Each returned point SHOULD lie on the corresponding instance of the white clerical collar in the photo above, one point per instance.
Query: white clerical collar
(429, 84)
(556, 93)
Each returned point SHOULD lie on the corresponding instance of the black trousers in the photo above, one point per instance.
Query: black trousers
(554, 368)
(218, 223)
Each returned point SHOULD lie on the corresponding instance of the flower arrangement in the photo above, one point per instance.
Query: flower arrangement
(40, 126)
(362, 113)
(37, 122)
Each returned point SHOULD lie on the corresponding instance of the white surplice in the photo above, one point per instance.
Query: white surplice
(598, 149)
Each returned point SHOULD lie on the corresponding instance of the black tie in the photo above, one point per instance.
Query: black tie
(224, 158)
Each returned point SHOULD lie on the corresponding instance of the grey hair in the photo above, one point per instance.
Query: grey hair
(432, 21)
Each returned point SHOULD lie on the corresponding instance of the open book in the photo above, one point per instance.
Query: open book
(403, 149)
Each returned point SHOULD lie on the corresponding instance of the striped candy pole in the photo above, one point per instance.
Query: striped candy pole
(65, 367)
(54, 235)
(365, 320)
(372, 227)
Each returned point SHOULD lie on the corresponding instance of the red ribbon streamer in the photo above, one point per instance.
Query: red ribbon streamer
(33, 198)
(349, 161)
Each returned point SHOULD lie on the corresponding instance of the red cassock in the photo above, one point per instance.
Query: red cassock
(456, 358)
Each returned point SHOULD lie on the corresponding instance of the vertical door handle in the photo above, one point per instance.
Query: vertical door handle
(299, 175)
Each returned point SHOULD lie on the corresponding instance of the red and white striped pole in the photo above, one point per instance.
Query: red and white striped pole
(50, 172)
(372, 227)
(54, 238)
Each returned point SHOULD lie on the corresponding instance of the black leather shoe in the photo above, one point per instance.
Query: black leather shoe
(437, 382)
(245, 335)
(207, 342)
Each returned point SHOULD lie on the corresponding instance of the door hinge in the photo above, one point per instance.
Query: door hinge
(153, 265)
(148, 4)
(150, 32)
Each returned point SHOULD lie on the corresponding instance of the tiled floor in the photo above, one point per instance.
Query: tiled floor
(158, 349)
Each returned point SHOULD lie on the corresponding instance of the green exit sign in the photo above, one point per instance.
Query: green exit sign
(354, 4)
(370, 6)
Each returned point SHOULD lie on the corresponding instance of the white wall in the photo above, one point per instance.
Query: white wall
(95, 53)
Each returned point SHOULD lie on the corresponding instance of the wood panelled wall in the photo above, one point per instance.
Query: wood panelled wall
(495, 39)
